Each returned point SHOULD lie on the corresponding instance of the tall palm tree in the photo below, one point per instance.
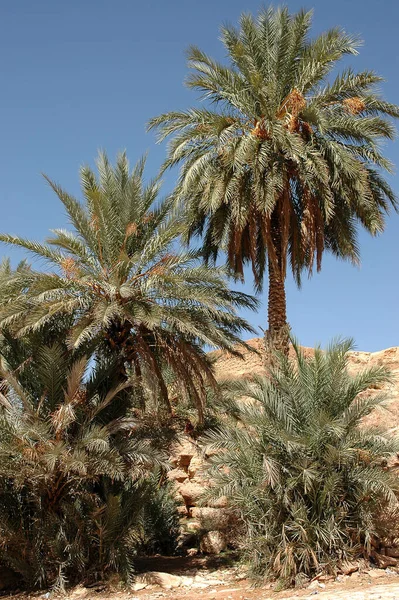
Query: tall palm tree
(281, 163)
(127, 284)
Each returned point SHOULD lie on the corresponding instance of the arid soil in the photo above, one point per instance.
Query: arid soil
(380, 586)
(212, 578)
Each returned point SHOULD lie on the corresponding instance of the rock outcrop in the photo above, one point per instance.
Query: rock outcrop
(253, 363)
(206, 525)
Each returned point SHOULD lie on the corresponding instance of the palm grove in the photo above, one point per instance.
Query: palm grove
(103, 351)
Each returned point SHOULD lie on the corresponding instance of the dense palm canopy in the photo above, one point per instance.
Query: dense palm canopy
(299, 465)
(126, 283)
(76, 487)
(282, 162)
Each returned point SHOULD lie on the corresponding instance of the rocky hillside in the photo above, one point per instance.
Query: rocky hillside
(228, 366)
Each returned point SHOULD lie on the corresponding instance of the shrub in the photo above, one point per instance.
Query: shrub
(300, 466)
(77, 489)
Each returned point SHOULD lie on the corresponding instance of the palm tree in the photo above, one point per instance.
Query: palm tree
(130, 289)
(281, 163)
(77, 489)
(304, 472)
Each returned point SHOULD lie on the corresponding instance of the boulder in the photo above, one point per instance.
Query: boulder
(201, 582)
(137, 587)
(182, 509)
(187, 581)
(182, 453)
(191, 492)
(195, 466)
(213, 542)
(347, 568)
(376, 573)
(315, 584)
(165, 580)
(211, 518)
(177, 475)
(221, 502)
(192, 525)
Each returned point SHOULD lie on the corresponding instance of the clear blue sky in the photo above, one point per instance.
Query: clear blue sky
(79, 75)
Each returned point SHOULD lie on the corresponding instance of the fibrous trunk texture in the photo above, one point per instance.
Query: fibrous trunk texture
(277, 336)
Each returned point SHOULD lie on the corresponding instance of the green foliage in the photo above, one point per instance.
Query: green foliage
(78, 489)
(128, 289)
(281, 162)
(302, 470)
(159, 526)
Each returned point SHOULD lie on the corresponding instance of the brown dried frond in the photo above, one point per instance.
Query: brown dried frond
(364, 456)
(294, 103)
(354, 105)
(306, 129)
(80, 396)
(131, 229)
(293, 124)
(94, 223)
(158, 269)
(260, 130)
(163, 265)
(201, 128)
(148, 217)
(70, 268)
(42, 447)
(30, 453)
(311, 231)
(168, 257)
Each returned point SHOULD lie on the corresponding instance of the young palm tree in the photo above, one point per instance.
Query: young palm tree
(282, 163)
(128, 286)
(75, 487)
(302, 470)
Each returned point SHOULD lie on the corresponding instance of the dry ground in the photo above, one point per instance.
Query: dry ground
(376, 584)
(361, 591)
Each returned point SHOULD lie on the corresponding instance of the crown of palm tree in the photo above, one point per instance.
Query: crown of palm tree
(125, 280)
(281, 163)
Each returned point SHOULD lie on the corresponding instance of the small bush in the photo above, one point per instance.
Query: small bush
(301, 468)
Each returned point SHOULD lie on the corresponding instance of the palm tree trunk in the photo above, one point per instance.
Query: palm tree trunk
(277, 336)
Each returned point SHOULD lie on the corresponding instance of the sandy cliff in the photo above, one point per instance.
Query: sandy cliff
(227, 366)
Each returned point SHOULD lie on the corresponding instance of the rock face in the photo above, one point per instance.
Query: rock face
(232, 367)
(209, 525)
(213, 542)
(204, 526)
